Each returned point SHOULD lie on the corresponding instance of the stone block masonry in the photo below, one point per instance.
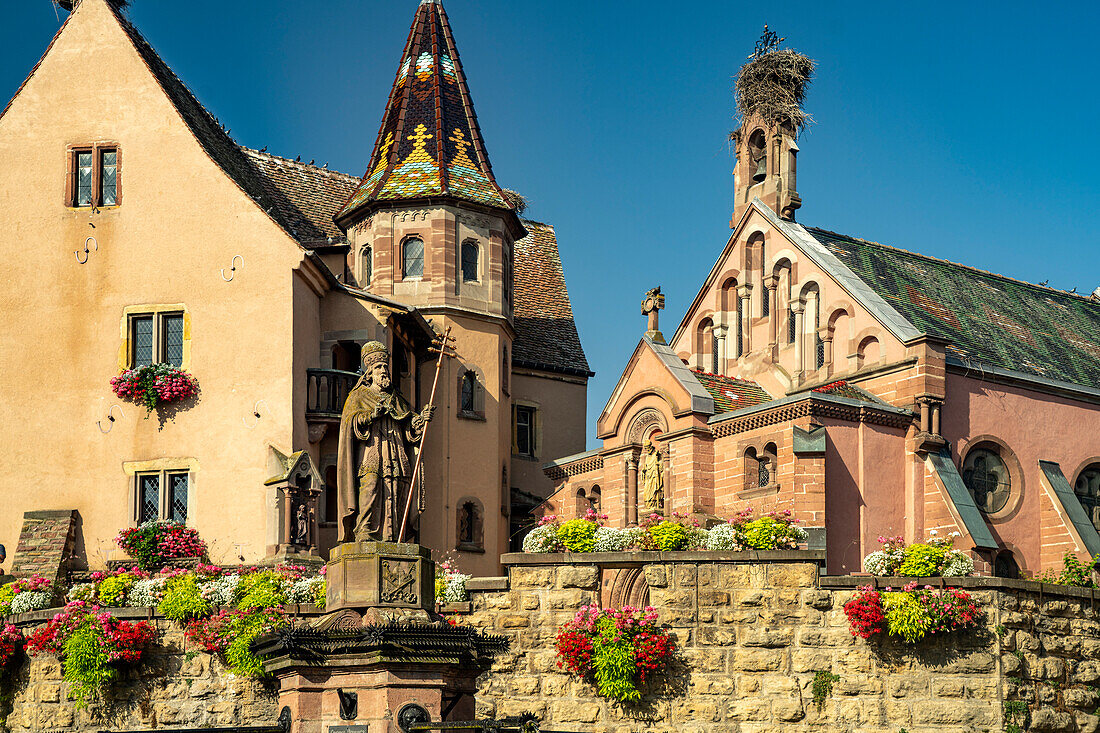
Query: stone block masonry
(752, 636)
(45, 544)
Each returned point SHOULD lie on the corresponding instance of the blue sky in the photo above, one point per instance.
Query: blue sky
(959, 130)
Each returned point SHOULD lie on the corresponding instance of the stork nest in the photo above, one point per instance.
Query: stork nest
(516, 200)
(772, 87)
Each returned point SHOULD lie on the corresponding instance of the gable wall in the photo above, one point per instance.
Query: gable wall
(180, 220)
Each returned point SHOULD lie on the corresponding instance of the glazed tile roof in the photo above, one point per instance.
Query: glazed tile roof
(987, 318)
(310, 195)
(731, 394)
(546, 335)
(843, 389)
(429, 143)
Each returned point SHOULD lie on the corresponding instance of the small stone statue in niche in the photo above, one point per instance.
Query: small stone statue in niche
(377, 432)
(653, 482)
(300, 535)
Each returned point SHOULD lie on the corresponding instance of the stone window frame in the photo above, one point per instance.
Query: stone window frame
(1017, 487)
(405, 262)
(474, 540)
(477, 261)
(164, 468)
(1090, 465)
(471, 375)
(156, 311)
(97, 149)
(366, 265)
(760, 451)
(535, 428)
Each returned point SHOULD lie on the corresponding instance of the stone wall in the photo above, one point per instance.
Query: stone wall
(753, 635)
(173, 686)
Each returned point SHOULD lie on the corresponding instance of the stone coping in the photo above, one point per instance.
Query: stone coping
(494, 583)
(979, 582)
(144, 613)
(513, 559)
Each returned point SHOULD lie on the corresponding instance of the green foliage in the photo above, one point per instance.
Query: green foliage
(922, 560)
(1017, 716)
(613, 656)
(906, 616)
(764, 533)
(87, 666)
(7, 592)
(669, 536)
(243, 630)
(113, 590)
(440, 588)
(321, 598)
(578, 535)
(823, 686)
(1001, 630)
(260, 590)
(183, 600)
(1074, 572)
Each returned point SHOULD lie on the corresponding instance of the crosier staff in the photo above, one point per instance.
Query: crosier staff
(440, 347)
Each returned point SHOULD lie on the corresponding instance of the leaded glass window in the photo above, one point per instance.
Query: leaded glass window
(1087, 488)
(987, 478)
(792, 327)
(470, 252)
(764, 474)
(414, 257)
(83, 179)
(177, 497)
(108, 178)
(525, 431)
(142, 335)
(368, 265)
(148, 497)
(172, 339)
(714, 352)
(469, 389)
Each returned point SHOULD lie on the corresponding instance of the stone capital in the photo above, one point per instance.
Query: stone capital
(771, 282)
(798, 307)
(744, 290)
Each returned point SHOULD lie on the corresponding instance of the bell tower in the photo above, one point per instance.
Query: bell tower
(770, 90)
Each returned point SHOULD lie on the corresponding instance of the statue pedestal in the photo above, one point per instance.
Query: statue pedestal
(380, 575)
(378, 648)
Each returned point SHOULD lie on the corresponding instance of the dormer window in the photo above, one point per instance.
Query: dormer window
(93, 176)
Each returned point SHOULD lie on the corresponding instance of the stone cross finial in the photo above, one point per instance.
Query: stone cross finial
(651, 306)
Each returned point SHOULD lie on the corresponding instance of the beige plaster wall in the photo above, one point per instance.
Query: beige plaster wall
(180, 220)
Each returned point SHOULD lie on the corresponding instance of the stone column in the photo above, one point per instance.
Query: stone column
(827, 340)
(631, 490)
(723, 349)
(772, 294)
(936, 417)
(925, 422)
(744, 292)
(798, 308)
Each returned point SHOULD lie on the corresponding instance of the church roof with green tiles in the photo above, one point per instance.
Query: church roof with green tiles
(987, 318)
(429, 144)
(731, 394)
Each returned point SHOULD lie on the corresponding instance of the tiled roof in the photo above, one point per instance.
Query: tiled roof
(208, 131)
(731, 394)
(546, 335)
(311, 196)
(987, 318)
(843, 389)
(429, 143)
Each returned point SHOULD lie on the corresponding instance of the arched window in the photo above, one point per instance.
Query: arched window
(469, 391)
(367, 267)
(470, 533)
(470, 252)
(703, 344)
(470, 395)
(758, 156)
(986, 476)
(752, 469)
(1005, 566)
(580, 505)
(768, 464)
(1087, 488)
(595, 498)
(413, 257)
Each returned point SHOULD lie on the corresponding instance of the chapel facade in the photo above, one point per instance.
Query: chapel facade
(869, 390)
(139, 232)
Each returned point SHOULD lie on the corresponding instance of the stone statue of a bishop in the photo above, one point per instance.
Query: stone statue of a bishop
(377, 432)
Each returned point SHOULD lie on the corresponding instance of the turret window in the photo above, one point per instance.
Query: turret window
(368, 265)
(470, 252)
(413, 258)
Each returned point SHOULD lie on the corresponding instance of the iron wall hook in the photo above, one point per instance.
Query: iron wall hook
(87, 251)
(232, 268)
(256, 414)
(110, 418)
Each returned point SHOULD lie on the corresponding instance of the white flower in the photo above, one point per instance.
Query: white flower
(957, 563)
(455, 589)
(542, 539)
(722, 538)
(876, 563)
(82, 592)
(304, 590)
(30, 600)
(610, 539)
(146, 592)
(221, 591)
(933, 532)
